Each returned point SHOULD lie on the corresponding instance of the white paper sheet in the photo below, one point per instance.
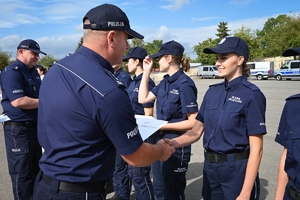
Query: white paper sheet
(4, 118)
(148, 125)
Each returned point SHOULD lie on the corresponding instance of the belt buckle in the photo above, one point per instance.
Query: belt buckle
(213, 157)
(160, 132)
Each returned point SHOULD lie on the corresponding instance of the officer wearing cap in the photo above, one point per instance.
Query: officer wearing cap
(232, 114)
(288, 182)
(85, 115)
(20, 85)
(176, 103)
(140, 176)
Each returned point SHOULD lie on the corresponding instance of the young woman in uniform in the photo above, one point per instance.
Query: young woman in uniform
(176, 102)
(288, 181)
(232, 114)
(140, 176)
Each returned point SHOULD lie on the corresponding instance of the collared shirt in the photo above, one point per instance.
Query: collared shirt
(231, 112)
(123, 76)
(85, 115)
(288, 135)
(176, 96)
(133, 91)
(19, 80)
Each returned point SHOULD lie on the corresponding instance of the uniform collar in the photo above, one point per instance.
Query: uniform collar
(119, 71)
(174, 77)
(235, 82)
(96, 57)
(21, 65)
(137, 78)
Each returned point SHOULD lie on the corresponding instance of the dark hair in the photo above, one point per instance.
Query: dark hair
(183, 61)
(140, 61)
(41, 68)
(245, 67)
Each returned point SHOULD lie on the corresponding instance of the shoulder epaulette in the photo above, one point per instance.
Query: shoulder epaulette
(250, 85)
(119, 83)
(216, 84)
(295, 96)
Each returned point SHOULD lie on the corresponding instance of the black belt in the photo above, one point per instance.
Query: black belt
(294, 193)
(215, 158)
(25, 124)
(78, 187)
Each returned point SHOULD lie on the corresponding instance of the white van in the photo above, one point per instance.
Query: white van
(262, 70)
(290, 69)
(208, 71)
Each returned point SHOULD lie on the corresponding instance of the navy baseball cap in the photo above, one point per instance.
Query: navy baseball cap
(292, 52)
(136, 52)
(169, 48)
(30, 45)
(109, 17)
(230, 45)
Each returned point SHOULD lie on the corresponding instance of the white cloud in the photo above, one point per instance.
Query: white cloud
(175, 4)
(203, 19)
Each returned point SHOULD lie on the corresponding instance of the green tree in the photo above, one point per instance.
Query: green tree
(4, 59)
(205, 59)
(135, 42)
(47, 61)
(79, 44)
(152, 48)
(222, 30)
(271, 33)
(251, 39)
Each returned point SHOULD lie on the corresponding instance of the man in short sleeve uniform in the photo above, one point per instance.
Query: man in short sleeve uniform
(20, 85)
(85, 114)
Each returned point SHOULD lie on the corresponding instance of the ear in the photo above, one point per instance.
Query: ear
(169, 58)
(111, 38)
(241, 60)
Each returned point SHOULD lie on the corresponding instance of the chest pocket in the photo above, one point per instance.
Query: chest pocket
(232, 115)
(293, 132)
(175, 105)
(212, 113)
(293, 120)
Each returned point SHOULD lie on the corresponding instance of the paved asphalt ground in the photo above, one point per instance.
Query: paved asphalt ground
(275, 92)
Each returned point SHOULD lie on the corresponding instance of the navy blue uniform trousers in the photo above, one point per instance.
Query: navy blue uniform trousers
(121, 180)
(169, 177)
(224, 180)
(23, 154)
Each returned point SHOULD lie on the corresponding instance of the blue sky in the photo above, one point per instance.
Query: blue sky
(57, 24)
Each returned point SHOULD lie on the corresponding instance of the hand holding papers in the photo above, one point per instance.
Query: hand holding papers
(148, 125)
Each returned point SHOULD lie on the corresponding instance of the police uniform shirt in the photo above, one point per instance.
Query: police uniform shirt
(133, 91)
(83, 115)
(288, 136)
(19, 80)
(123, 76)
(176, 96)
(231, 112)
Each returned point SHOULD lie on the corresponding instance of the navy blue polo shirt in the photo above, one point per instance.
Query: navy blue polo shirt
(176, 96)
(133, 91)
(231, 112)
(84, 116)
(123, 76)
(288, 135)
(19, 80)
